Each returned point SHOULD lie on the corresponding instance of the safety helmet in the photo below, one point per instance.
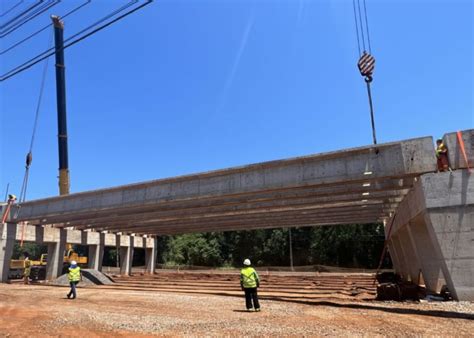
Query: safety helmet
(73, 263)
(247, 262)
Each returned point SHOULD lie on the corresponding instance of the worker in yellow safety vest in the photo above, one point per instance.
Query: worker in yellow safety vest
(75, 276)
(27, 269)
(249, 282)
(442, 156)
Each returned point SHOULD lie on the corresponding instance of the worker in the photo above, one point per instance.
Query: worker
(74, 276)
(27, 268)
(249, 282)
(442, 156)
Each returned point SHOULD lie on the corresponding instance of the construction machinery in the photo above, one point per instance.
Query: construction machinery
(38, 267)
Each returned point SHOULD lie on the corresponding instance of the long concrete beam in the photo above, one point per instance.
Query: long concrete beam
(455, 153)
(336, 180)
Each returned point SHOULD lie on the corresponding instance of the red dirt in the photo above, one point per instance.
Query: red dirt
(176, 304)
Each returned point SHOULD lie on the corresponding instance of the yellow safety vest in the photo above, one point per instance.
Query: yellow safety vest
(249, 277)
(27, 265)
(74, 274)
(441, 149)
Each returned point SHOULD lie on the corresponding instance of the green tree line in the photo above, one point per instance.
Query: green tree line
(353, 246)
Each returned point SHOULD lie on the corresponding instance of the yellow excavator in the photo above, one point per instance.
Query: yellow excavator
(38, 267)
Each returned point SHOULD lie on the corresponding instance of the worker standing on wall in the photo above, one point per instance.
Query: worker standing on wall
(27, 268)
(75, 277)
(442, 156)
(249, 282)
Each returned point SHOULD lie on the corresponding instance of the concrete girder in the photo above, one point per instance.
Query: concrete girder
(391, 188)
(455, 155)
(396, 160)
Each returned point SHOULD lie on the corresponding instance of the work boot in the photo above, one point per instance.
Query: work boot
(248, 310)
(68, 296)
(257, 310)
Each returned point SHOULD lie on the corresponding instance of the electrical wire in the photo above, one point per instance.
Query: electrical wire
(44, 28)
(40, 58)
(18, 16)
(30, 17)
(11, 8)
(50, 51)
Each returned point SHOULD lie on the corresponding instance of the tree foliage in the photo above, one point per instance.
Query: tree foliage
(357, 246)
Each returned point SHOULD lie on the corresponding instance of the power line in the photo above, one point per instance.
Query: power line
(44, 28)
(18, 16)
(31, 63)
(11, 8)
(30, 17)
(32, 60)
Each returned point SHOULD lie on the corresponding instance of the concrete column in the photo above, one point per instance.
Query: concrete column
(54, 266)
(7, 241)
(150, 255)
(96, 254)
(126, 255)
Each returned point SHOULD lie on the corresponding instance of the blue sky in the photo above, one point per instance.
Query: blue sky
(186, 86)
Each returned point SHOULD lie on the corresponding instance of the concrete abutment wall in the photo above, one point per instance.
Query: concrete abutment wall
(433, 233)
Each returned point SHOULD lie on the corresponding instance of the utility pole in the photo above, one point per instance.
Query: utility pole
(291, 250)
(61, 105)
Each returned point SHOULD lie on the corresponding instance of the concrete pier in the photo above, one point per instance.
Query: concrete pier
(56, 240)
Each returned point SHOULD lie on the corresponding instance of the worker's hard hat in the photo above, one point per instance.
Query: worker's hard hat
(73, 263)
(12, 197)
(247, 261)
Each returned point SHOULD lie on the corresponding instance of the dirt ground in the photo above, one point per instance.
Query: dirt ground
(152, 309)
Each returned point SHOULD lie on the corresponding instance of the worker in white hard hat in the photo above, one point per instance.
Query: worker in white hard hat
(75, 276)
(249, 282)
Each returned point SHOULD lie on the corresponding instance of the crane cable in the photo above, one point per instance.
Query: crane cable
(366, 63)
(29, 155)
